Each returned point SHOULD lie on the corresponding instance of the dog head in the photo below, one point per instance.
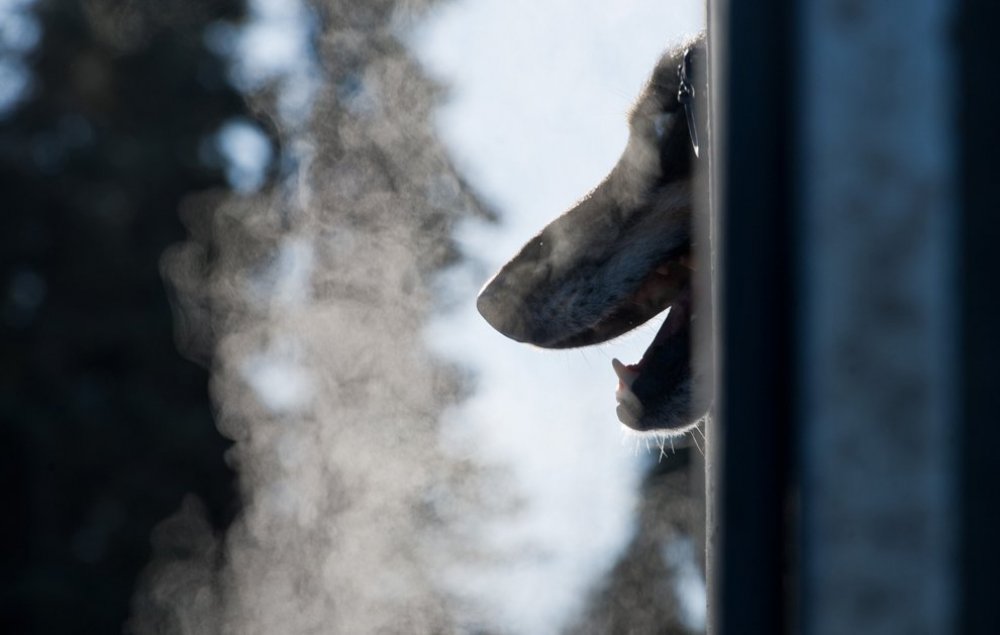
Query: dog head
(620, 257)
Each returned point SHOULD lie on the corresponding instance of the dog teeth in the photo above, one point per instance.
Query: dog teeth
(626, 375)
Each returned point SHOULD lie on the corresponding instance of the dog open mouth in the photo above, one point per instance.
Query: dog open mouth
(653, 394)
(647, 388)
(662, 370)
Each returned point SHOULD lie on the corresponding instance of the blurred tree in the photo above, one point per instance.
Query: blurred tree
(104, 426)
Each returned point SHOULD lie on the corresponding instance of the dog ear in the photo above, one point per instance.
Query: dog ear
(687, 60)
(676, 83)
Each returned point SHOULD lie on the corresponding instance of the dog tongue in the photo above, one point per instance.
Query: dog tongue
(626, 374)
(629, 409)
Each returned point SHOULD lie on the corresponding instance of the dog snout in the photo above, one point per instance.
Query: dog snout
(500, 309)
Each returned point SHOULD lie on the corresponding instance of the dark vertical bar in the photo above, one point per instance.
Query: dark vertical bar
(980, 157)
(751, 185)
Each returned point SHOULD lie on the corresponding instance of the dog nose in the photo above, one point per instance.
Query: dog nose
(497, 306)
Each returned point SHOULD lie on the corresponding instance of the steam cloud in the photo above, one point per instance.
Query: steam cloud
(385, 488)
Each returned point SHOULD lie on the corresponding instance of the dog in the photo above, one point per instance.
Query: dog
(623, 255)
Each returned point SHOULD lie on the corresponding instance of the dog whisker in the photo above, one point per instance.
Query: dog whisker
(663, 451)
(697, 445)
